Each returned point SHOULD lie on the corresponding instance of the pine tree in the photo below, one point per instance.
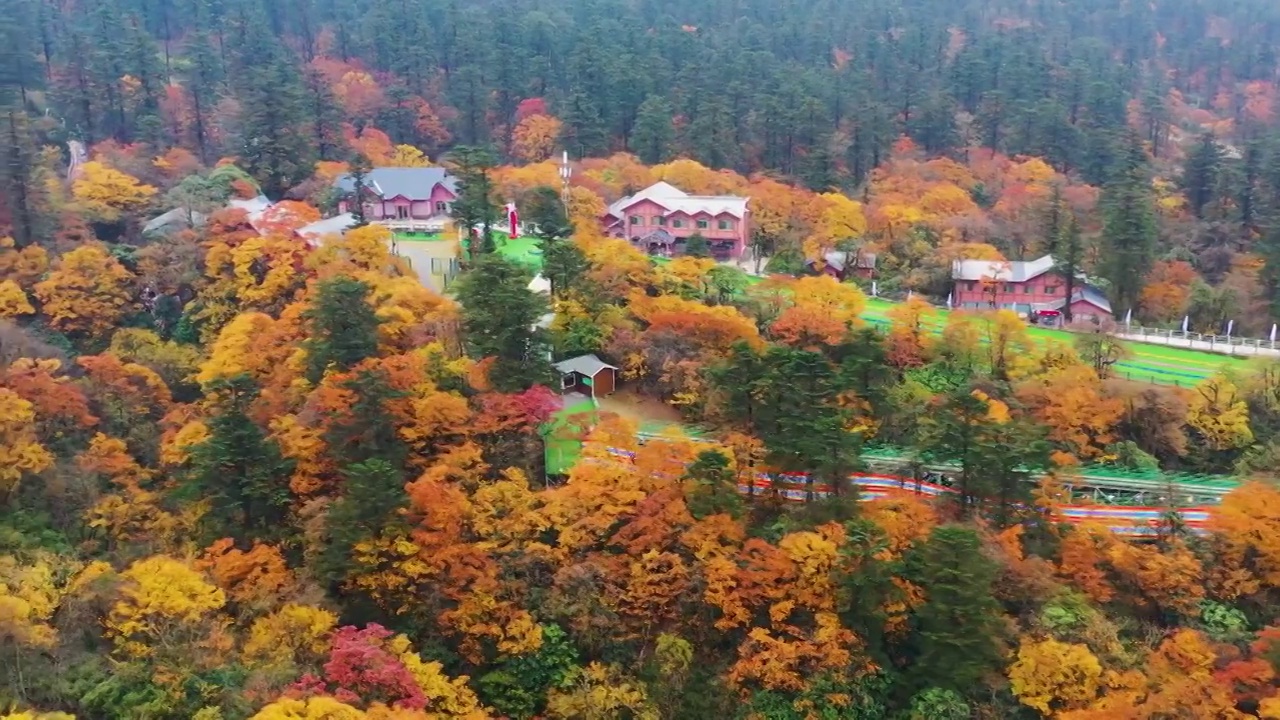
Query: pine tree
(23, 194)
(373, 491)
(654, 131)
(711, 486)
(273, 148)
(563, 264)
(697, 246)
(359, 171)
(499, 316)
(239, 469)
(955, 633)
(204, 78)
(1200, 173)
(1269, 248)
(474, 205)
(1129, 225)
(584, 132)
(1062, 234)
(343, 326)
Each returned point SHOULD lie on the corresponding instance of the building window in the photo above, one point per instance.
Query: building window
(566, 382)
(725, 225)
(402, 212)
(659, 220)
(1051, 290)
(1008, 287)
(973, 284)
(635, 220)
(702, 224)
(441, 206)
(677, 223)
(1027, 289)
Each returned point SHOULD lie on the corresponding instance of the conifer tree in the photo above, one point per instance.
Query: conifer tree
(273, 147)
(1129, 225)
(1200, 173)
(474, 205)
(653, 132)
(711, 486)
(499, 317)
(343, 325)
(204, 77)
(238, 469)
(563, 264)
(955, 633)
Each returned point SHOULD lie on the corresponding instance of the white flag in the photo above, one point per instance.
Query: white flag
(948, 301)
(1273, 332)
(1128, 318)
(908, 294)
(1186, 319)
(1230, 325)
(874, 291)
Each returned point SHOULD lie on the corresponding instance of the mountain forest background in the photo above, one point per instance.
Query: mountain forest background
(247, 476)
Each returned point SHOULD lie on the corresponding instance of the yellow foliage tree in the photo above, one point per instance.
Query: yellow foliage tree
(599, 692)
(106, 193)
(535, 137)
(24, 266)
(1053, 676)
(13, 301)
(163, 602)
(838, 219)
(407, 156)
(20, 452)
(312, 708)
(1218, 412)
(87, 293)
(28, 599)
(294, 633)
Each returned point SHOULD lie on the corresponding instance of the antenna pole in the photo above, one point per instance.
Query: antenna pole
(565, 173)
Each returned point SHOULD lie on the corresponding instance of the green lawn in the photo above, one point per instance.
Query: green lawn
(563, 435)
(1159, 364)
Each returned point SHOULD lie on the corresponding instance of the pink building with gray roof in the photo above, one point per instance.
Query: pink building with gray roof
(661, 218)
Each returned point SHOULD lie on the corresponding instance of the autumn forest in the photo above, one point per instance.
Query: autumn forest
(248, 471)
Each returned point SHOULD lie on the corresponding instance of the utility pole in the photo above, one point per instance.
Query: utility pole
(565, 173)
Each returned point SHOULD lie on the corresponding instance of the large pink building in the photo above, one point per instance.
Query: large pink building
(661, 218)
(1026, 287)
(402, 195)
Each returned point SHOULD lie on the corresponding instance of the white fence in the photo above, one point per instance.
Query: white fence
(1223, 344)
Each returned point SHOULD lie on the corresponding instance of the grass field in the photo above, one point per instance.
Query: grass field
(1158, 364)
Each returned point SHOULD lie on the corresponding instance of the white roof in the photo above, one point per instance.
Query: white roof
(335, 225)
(588, 365)
(254, 208)
(1002, 270)
(673, 199)
(540, 284)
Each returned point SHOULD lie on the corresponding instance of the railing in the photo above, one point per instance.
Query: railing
(430, 225)
(1226, 344)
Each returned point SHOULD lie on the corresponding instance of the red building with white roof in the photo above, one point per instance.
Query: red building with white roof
(661, 218)
(1024, 287)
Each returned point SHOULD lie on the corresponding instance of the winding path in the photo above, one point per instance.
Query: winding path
(78, 157)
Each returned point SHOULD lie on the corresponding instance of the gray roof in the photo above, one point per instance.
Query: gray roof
(1001, 270)
(660, 236)
(835, 258)
(177, 217)
(335, 225)
(1088, 293)
(413, 183)
(588, 365)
